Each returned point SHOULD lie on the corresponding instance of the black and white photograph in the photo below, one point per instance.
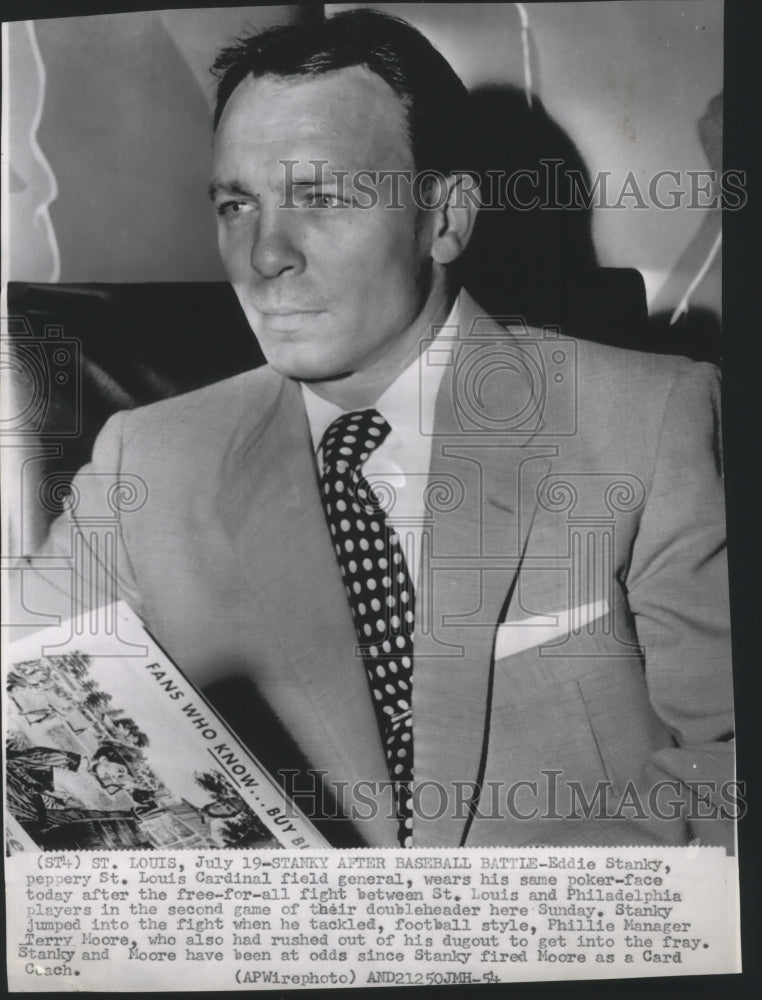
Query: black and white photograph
(369, 357)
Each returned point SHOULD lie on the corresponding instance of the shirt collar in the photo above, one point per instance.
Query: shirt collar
(407, 403)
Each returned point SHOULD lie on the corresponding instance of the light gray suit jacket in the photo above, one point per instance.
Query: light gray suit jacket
(564, 475)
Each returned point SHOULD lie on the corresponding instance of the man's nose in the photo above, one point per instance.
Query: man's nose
(275, 247)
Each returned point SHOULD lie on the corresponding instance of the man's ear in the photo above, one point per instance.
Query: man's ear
(455, 216)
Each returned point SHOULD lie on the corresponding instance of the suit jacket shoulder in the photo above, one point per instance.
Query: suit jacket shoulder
(629, 402)
(213, 416)
(595, 385)
(643, 371)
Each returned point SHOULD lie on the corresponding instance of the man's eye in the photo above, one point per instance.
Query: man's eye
(232, 209)
(322, 200)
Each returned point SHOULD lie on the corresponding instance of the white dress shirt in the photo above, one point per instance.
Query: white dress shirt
(403, 461)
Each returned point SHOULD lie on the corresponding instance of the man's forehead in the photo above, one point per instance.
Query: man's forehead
(351, 107)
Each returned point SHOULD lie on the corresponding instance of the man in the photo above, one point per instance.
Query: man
(48, 789)
(465, 584)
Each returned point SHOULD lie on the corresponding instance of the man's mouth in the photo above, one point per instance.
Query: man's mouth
(289, 320)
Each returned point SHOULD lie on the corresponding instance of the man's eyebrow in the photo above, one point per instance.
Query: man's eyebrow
(228, 187)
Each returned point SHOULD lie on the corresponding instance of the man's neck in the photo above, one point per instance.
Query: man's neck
(362, 389)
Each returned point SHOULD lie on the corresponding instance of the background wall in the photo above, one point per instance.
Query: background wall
(109, 131)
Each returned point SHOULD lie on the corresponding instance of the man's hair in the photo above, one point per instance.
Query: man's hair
(434, 97)
(143, 796)
(109, 753)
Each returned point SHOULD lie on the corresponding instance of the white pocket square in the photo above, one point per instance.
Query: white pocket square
(526, 633)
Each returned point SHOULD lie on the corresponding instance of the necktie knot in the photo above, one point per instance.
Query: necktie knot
(352, 438)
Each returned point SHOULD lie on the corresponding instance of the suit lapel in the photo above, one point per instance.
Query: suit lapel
(274, 516)
(473, 550)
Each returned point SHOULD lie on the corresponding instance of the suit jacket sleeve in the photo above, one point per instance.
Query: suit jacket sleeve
(678, 593)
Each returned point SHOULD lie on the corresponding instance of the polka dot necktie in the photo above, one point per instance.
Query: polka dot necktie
(380, 591)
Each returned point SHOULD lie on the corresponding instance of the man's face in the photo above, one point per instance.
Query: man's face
(111, 773)
(328, 288)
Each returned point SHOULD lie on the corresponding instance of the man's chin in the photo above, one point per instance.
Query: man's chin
(317, 379)
(302, 372)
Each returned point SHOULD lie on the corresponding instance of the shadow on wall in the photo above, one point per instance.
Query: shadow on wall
(520, 256)
(534, 256)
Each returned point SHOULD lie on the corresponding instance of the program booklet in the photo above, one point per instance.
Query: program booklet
(109, 746)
